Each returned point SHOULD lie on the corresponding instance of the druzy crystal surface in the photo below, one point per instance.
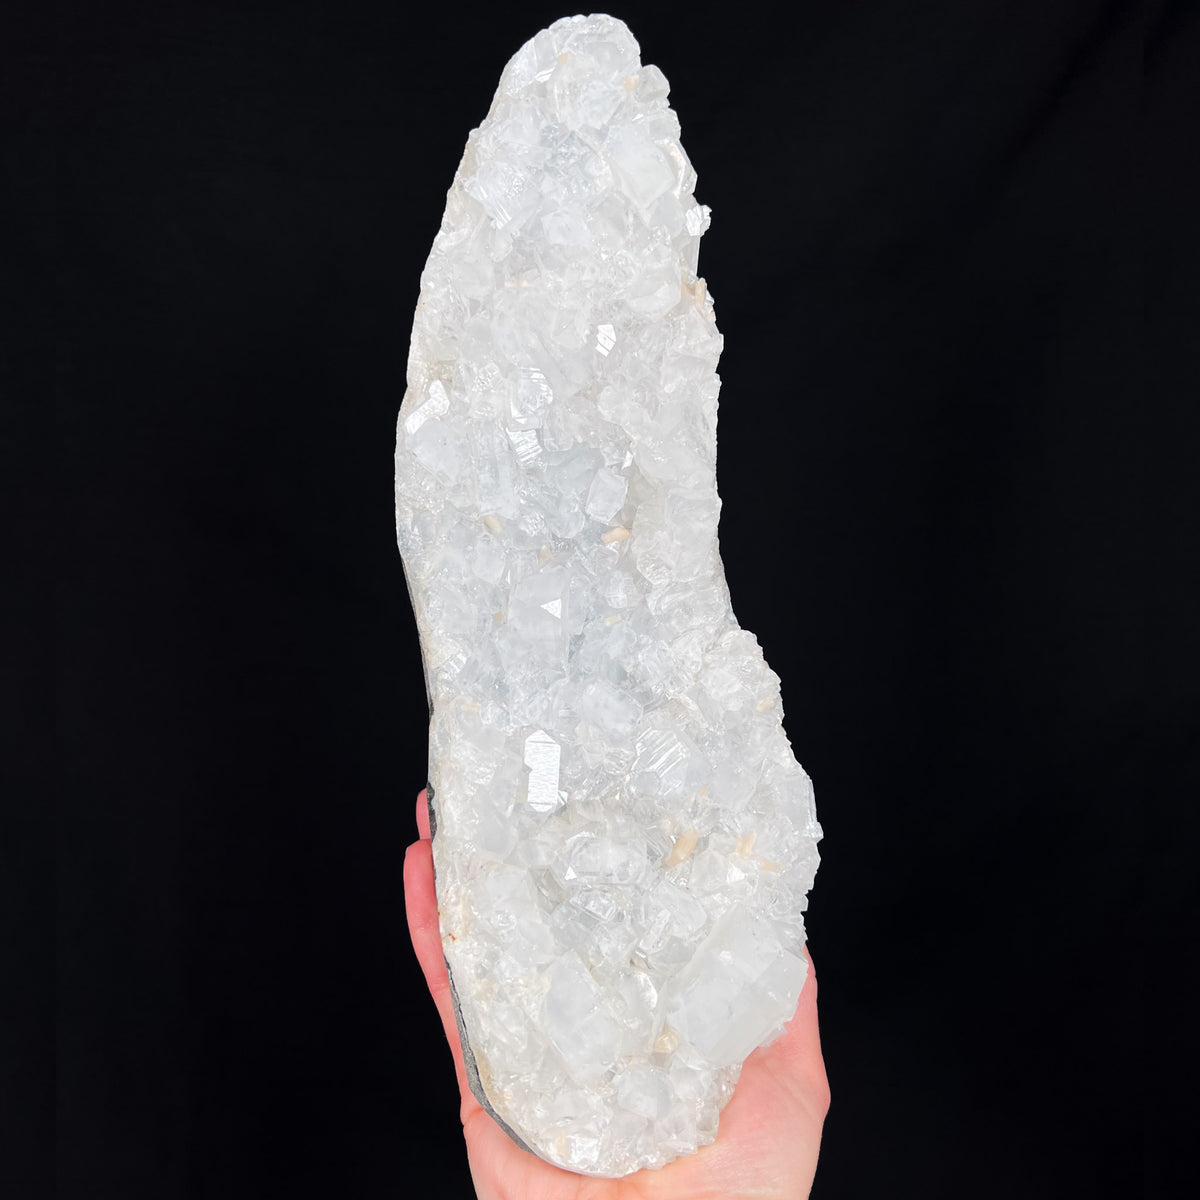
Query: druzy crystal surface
(623, 839)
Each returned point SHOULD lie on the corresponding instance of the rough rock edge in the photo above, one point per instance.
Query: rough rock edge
(468, 1053)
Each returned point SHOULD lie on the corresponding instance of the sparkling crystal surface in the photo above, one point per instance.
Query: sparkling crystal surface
(623, 839)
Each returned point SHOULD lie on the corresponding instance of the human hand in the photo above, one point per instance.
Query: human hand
(770, 1130)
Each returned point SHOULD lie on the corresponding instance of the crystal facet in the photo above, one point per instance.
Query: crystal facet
(623, 840)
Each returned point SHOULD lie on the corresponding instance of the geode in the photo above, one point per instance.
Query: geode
(623, 840)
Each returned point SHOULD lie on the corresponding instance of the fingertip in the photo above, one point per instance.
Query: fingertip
(418, 877)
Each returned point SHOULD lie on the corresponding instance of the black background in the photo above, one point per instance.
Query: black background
(924, 270)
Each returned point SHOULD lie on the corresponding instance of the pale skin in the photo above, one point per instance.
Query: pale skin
(770, 1131)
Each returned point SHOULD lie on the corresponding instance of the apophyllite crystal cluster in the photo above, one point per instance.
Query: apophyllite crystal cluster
(623, 839)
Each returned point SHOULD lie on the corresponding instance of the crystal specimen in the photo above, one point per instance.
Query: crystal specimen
(623, 840)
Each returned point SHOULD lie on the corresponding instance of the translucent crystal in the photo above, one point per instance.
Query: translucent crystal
(623, 839)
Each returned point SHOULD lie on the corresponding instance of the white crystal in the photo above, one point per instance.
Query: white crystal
(436, 404)
(606, 495)
(623, 838)
(542, 757)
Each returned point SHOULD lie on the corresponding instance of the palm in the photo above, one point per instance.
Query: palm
(769, 1133)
